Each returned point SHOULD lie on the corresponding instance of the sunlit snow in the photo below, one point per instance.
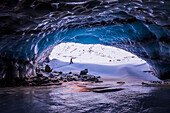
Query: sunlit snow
(95, 54)
(99, 60)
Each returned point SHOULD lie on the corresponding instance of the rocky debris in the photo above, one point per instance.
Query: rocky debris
(47, 77)
(67, 77)
(88, 78)
(156, 83)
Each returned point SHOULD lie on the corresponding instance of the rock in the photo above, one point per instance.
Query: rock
(70, 75)
(47, 60)
(60, 78)
(51, 75)
(69, 79)
(64, 80)
(143, 83)
(76, 75)
(29, 80)
(38, 69)
(35, 79)
(45, 81)
(39, 75)
(47, 68)
(70, 72)
(84, 77)
(120, 83)
(54, 80)
(60, 72)
(84, 72)
(75, 78)
(88, 78)
(98, 81)
(55, 72)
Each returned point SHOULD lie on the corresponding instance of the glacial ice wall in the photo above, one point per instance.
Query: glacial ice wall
(31, 28)
(146, 41)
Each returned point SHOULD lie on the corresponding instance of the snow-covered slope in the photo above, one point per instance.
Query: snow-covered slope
(99, 60)
(95, 54)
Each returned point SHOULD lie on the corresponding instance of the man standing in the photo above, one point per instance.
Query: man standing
(71, 61)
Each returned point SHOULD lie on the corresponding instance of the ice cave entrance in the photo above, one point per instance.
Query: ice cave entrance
(99, 60)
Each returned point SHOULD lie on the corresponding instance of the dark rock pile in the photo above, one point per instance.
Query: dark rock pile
(47, 77)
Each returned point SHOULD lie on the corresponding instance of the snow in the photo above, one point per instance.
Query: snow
(99, 60)
(95, 54)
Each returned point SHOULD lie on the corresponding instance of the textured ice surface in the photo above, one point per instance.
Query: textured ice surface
(31, 28)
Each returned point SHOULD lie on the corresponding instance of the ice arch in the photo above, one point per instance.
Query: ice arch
(146, 41)
(31, 28)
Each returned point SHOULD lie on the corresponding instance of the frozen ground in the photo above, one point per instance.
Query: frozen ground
(99, 60)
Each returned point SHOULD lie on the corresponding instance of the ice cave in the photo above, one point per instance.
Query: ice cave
(30, 29)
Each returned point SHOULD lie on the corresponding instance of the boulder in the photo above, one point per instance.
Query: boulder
(47, 68)
(84, 72)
